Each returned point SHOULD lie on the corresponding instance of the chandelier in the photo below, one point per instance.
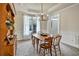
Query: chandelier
(43, 15)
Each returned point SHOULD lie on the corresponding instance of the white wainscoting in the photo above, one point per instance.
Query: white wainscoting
(70, 38)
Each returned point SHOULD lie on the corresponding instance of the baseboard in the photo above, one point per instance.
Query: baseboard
(23, 40)
(70, 45)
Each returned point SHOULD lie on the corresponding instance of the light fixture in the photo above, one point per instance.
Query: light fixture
(43, 16)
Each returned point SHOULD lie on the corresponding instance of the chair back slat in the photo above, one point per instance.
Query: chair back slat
(48, 40)
(57, 39)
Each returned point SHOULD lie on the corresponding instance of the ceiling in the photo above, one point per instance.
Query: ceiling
(35, 8)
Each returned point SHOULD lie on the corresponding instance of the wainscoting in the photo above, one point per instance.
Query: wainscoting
(70, 38)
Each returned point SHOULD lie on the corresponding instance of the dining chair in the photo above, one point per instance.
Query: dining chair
(56, 43)
(46, 46)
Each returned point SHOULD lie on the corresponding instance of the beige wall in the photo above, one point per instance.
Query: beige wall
(69, 25)
(43, 26)
(19, 25)
(69, 19)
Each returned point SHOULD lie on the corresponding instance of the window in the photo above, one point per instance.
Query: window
(55, 24)
(31, 24)
(26, 25)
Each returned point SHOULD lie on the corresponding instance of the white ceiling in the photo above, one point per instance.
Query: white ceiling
(35, 8)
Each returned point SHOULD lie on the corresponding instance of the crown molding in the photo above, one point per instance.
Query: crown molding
(58, 11)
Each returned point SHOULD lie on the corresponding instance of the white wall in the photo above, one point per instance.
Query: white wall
(19, 25)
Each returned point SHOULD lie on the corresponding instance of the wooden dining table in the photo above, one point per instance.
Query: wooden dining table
(38, 37)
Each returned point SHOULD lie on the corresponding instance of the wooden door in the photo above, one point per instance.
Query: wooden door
(4, 48)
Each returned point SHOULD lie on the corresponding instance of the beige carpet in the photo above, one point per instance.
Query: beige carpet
(25, 48)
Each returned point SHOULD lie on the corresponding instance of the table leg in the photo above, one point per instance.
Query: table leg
(37, 44)
(33, 41)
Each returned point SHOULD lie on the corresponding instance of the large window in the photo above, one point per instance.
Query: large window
(55, 24)
(31, 24)
(26, 25)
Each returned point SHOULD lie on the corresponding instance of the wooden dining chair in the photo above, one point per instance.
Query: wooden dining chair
(56, 43)
(46, 45)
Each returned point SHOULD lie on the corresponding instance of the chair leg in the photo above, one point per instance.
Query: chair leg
(55, 51)
(59, 49)
(51, 51)
(44, 52)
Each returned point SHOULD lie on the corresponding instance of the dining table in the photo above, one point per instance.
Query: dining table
(38, 38)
